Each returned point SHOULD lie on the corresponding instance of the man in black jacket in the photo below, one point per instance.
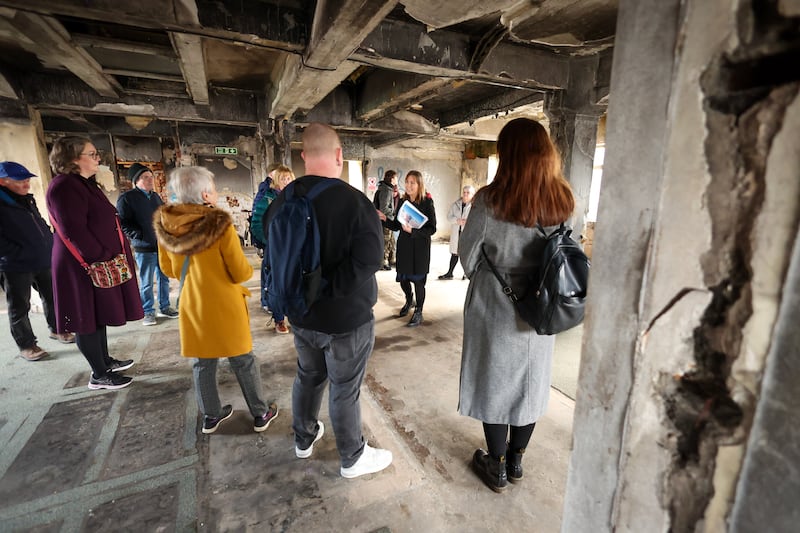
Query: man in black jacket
(136, 208)
(384, 202)
(334, 339)
(25, 246)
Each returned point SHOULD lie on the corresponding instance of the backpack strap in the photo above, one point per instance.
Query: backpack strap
(508, 291)
(184, 270)
(316, 190)
(561, 229)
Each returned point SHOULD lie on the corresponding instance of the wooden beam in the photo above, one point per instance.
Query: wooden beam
(190, 53)
(51, 42)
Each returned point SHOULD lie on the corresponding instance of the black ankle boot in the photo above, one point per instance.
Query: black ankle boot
(491, 471)
(406, 307)
(416, 318)
(514, 464)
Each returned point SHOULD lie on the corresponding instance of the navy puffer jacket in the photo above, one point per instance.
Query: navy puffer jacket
(25, 238)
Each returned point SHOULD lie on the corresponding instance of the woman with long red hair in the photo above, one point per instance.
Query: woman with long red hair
(505, 365)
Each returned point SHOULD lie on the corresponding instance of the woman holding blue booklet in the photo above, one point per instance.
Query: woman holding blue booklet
(414, 243)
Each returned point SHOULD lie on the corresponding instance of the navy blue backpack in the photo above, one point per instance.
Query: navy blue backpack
(292, 255)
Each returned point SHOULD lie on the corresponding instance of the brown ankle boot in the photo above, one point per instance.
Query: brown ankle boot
(514, 464)
(492, 471)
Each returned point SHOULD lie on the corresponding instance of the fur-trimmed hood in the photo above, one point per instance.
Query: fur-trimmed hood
(188, 229)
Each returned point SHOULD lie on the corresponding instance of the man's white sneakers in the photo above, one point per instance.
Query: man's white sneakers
(305, 454)
(372, 460)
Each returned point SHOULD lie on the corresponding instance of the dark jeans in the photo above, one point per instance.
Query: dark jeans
(341, 359)
(17, 286)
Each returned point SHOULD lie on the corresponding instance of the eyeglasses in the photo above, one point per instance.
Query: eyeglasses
(93, 155)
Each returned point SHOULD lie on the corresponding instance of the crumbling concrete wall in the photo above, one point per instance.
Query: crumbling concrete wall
(22, 141)
(672, 364)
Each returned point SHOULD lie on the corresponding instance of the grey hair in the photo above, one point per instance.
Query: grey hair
(187, 184)
(469, 188)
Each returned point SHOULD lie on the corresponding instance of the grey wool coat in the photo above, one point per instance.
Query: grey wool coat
(505, 365)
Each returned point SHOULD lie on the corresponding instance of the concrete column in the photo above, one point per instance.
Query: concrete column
(686, 411)
(283, 142)
(637, 120)
(575, 136)
(22, 141)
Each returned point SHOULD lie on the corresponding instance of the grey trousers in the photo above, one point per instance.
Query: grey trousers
(341, 359)
(247, 374)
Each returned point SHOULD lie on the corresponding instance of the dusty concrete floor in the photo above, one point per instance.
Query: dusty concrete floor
(72, 459)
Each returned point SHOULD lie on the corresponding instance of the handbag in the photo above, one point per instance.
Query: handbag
(104, 274)
(555, 297)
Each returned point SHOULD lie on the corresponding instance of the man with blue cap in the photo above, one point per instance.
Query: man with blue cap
(136, 208)
(25, 246)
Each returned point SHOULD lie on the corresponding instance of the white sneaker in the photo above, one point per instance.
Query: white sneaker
(305, 454)
(372, 460)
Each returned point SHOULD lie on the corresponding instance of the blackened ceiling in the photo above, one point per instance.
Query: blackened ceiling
(382, 70)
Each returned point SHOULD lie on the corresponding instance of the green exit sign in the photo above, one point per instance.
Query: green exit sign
(226, 150)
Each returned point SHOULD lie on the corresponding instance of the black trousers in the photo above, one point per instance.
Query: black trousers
(419, 288)
(497, 437)
(17, 286)
(94, 347)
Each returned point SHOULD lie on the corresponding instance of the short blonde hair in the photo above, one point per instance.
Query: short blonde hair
(282, 170)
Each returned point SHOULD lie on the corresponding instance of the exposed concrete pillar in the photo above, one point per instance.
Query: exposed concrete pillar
(574, 115)
(575, 135)
(284, 132)
(22, 141)
(689, 296)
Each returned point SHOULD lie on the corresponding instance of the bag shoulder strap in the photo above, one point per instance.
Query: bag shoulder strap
(507, 290)
(74, 251)
(184, 270)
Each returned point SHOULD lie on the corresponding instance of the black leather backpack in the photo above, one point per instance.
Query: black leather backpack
(555, 297)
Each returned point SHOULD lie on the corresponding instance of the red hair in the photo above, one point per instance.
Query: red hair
(529, 186)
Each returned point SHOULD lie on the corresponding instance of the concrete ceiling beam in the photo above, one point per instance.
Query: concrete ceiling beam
(190, 54)
(93, 41)
(296, 88)
(383, 93)
(500, 103)
(50, 42)
(142, 74)
(6, 90)
(409, 47)
(62, 92)
(339, 27)
(256, 23)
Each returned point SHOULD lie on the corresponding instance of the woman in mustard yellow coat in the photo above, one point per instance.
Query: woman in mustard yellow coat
(199, 245)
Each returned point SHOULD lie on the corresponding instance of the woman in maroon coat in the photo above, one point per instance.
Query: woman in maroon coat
(82, 214)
